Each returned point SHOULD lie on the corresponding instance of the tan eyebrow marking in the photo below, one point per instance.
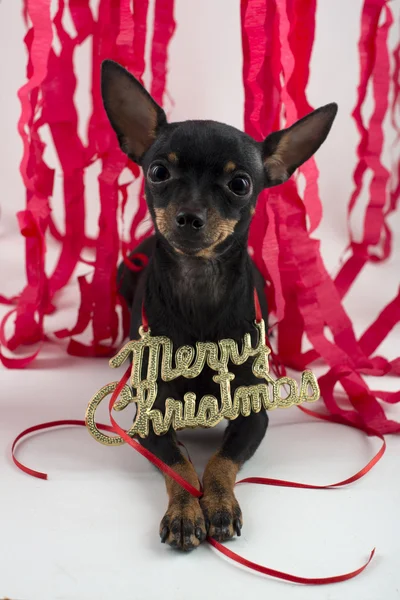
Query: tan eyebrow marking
(229, 167)
(172, 157)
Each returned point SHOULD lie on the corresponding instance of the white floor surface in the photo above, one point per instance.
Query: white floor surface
(91, 531)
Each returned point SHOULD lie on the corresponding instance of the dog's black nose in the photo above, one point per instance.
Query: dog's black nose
(194, 220)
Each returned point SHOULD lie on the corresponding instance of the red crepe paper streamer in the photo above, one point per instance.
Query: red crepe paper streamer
(118, 32)
(301, 294)
(305, 299)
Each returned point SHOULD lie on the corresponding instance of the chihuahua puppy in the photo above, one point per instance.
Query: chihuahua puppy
(202, 180)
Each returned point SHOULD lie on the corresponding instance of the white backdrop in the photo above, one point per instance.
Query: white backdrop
(53, 534)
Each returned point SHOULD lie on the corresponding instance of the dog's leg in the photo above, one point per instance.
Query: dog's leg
(183, 524)
(220, 507)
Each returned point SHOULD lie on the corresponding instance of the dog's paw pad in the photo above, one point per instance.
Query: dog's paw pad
(183, 525)
(223, 516)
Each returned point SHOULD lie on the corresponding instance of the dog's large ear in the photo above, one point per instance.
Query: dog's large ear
(284, 151)
(133, 114)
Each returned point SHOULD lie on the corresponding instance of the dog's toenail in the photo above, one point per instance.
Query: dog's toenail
(238, 527)
(164, 535)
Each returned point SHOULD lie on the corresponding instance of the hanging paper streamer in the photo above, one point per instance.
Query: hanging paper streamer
(276, 66)
(119, 32)
(305, 299)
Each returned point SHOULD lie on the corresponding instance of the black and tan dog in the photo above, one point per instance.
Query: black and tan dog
(202, 182)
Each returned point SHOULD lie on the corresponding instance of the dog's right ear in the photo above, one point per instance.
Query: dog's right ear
(133, 114)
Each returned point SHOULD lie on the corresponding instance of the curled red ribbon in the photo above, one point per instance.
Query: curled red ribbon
(115, 428)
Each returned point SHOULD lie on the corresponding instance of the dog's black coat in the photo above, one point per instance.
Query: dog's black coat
(202, 182)
(201, 318)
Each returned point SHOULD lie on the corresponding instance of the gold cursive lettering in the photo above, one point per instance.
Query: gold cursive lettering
(189, 362)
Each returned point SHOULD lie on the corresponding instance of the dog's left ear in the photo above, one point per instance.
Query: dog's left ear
(284, 151)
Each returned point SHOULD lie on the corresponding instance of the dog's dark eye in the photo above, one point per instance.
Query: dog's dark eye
(240, 185)
(158, 173)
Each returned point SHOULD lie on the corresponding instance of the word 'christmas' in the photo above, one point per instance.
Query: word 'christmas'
(189, 362)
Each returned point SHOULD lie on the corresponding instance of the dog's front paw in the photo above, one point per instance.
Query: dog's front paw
(222, 514)
(183, 525)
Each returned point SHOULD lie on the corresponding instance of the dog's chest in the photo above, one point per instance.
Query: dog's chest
(200, 283)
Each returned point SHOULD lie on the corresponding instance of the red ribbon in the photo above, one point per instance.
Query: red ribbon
(287, 576)
(115, 428)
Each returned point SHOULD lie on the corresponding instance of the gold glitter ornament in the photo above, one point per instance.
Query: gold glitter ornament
(189, 362)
